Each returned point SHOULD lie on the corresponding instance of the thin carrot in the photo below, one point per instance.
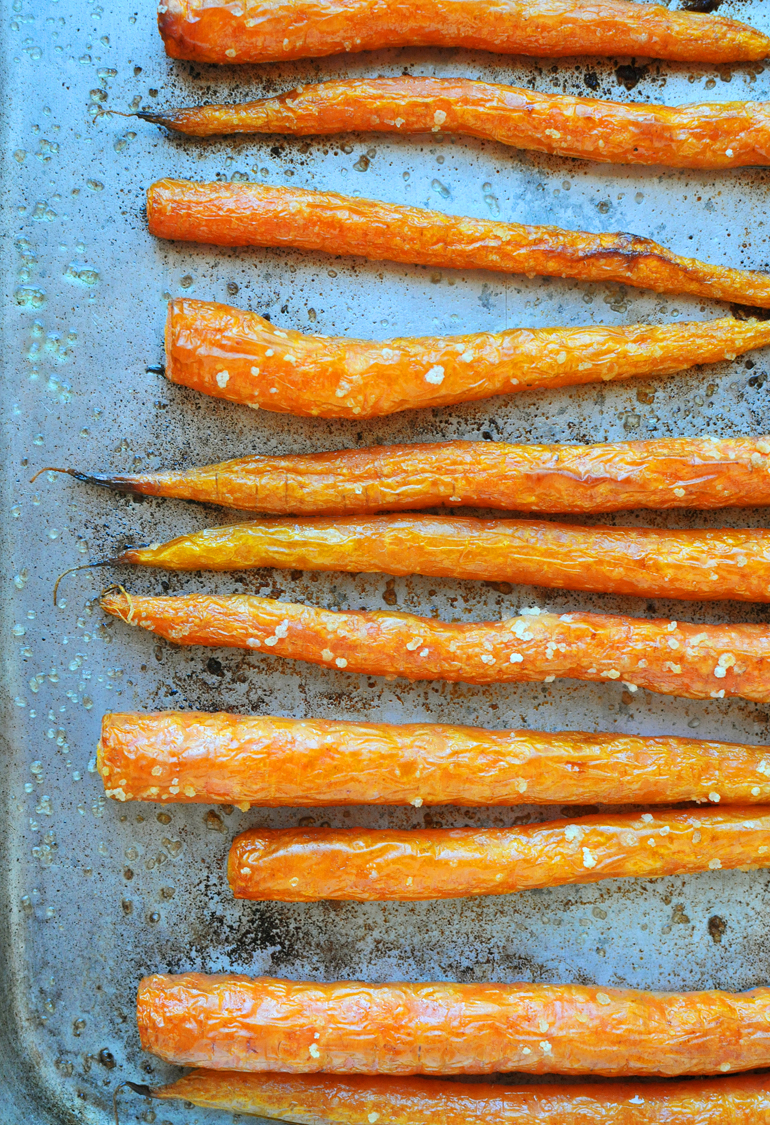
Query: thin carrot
(239, 356)
(712, 135)
(189, 756)
(244, 214)
(679, 473)
(674, 658)
(237, 1023)
(221, 32)
(647, 562)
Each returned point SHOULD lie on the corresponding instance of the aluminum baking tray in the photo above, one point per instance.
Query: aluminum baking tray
(94, 893)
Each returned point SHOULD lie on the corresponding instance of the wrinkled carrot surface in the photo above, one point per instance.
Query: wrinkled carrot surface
(358, 864)
(711, 135)
(318, 1099)
(647, 562)
(239, 356)
(186, 756)
(678, 473)
(222, 32)
(237, 1023)
(243, 214)
(692, 661)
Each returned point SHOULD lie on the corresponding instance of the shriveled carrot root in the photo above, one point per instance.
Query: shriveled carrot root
(690, 661)
(678, 473)
(243, 214)
(702, 565)
(716, 135)
(239, 356)
(322, 1099)
(188, 756)
(220, 32)
(363, 865)
(237, 1023)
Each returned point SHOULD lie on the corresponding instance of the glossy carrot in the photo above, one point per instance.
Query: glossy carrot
(646, 562)
(239, 356)
(237, 1023)
(364, 865)
(712, 135)
(321, 1099)
(243, 214)
(678, 473)
(674, 658)
(221, 32)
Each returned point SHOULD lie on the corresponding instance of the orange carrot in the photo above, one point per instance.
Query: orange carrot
(239, 356)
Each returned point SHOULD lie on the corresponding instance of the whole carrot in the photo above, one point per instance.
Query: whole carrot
(243, 214)
(363, 865)
(712, 135)
(674, 658)
(324, 1099)
(647, 562)
(221, 32)
(186, 756)
(239, 356)
(237, 1023)
(679, 473)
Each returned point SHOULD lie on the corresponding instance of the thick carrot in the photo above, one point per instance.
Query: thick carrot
(711, 135)
(239, 356)
(237, 1023)
(692, 661)
(647, 562)
(243, 214)
(221, 32)
(187, 756)
(679, 473)
(363, 865)
(321, 1099)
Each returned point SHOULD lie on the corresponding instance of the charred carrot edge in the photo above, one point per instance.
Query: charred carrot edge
(244, 214)
(674, 658)
(237, 1023)
(311, 1099)
(646, 562)
(679, 473)
(219, 32)
(364, 865)
(236, 355)
(188, 756)
(712, 135)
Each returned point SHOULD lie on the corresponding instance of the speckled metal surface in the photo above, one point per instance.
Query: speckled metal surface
(96, 893)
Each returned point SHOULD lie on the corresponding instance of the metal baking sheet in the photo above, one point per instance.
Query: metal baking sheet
(94, 893)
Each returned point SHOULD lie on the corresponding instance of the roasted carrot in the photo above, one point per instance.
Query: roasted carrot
(363, 865)
(322, 1099)
(239, 356)
(237, 1023)
(186, 756)
(647, 562)
(221, 32)
(692, 661)
(679, 473)
(243, 214)
(712, 135)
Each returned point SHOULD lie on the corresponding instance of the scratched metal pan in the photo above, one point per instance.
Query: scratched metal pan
(95, 893)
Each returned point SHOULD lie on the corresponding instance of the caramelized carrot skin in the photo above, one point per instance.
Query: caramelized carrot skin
(221, 32)
(647, 562)
(364, 865)
(243, 214)
(678, 473)
(318, 1099)
(239, 356)
(712, 135)
(674, 658)
(237, 1023)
